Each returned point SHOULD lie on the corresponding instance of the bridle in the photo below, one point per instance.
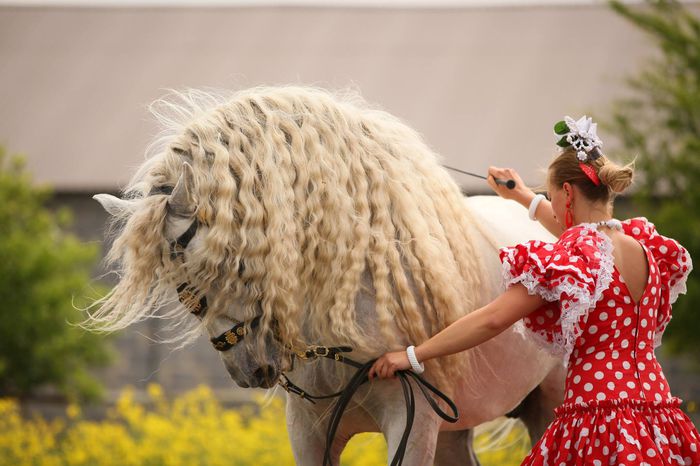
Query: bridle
(198, 306)
(187, 295)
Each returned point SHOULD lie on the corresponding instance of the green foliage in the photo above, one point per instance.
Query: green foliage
(561, 127)
(660, 123)
(42, 267)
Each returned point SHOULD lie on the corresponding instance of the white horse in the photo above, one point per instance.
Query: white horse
(275, 181)
(513, 373)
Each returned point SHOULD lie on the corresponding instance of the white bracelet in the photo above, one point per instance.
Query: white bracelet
(411, 352)
(533, 206)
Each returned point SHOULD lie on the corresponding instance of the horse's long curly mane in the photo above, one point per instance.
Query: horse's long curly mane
(301, 190)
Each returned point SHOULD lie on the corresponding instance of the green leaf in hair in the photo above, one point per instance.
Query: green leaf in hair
(563, 142)
(561, 127)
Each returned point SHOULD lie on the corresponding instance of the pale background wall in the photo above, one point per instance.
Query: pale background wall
(484, 85)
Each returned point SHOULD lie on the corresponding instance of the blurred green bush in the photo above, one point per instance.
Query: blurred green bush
(42, 268)
(659, 123)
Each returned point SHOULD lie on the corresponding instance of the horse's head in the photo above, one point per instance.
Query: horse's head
(288, 198)
(252, 360)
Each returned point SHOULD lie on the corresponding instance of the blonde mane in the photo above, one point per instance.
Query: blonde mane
(300, 191)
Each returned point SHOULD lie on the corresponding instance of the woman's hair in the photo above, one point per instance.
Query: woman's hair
(614, 179)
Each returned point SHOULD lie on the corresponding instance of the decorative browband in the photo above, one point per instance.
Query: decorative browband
(232, 336)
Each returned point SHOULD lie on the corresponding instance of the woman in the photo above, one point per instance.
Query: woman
(600, 296)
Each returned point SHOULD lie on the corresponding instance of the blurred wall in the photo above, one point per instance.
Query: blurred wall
(483, 85)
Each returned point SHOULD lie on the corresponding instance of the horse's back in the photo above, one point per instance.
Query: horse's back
(506, 221)
(498, 223)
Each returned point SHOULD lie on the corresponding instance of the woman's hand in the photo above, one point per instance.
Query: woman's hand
(388, 364)
(520, 193)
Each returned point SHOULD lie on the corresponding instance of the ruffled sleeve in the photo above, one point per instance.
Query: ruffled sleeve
(673, 262)
(570, 275)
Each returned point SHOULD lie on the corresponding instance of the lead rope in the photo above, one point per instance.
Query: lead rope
(357, 380)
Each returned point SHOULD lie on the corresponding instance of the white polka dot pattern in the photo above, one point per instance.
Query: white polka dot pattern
(618, 432)
(618, 408)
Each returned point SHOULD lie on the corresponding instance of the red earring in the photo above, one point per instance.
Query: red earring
(569, 216)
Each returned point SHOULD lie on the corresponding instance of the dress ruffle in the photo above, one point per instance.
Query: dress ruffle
(631, 432)
(572, 274)
(673, 259)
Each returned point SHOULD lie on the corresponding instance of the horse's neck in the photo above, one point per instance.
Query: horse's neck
(327, 373)
(368, 321)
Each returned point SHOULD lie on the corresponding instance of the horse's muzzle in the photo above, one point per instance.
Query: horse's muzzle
(264, 377)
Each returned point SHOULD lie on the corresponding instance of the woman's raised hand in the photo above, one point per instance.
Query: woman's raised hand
(520, 193)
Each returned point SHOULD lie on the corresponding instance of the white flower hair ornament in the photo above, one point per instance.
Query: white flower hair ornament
(581, 135)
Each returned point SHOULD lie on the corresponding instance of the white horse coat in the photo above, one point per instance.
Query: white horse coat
(512, 368)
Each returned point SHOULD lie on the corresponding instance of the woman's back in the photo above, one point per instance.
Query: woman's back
(631, 262)
(613, 358)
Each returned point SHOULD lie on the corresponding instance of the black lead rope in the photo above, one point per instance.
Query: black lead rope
(360, 378)
(357, 380)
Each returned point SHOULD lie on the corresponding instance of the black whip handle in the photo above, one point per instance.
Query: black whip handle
(510, 184)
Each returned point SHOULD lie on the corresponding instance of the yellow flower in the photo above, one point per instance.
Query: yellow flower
(692, 406)
(72, 411)
(193, 429)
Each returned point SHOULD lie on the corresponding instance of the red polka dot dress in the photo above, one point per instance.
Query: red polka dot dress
(618, 409)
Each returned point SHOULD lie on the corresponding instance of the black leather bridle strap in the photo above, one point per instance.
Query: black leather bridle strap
(177, 247)
(197, 303)
(164, 190)
(232, 336)
(346, 395)
(335, 354)
(187, 295)
(410, 415)
(330, 352)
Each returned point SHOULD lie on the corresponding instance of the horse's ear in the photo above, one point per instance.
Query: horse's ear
(181, 201)
(113, 205)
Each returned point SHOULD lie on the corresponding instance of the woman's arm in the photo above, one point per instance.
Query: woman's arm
(469, 331)
(545, 215)
(524, 195)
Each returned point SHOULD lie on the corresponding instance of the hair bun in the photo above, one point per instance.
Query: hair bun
(617, 178)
